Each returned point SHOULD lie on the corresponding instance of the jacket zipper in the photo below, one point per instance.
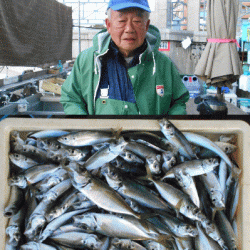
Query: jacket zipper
(99, 69)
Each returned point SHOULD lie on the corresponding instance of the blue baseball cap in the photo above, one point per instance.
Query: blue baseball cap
(123, 4)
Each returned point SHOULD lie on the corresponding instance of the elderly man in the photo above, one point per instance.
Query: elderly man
(124, 73)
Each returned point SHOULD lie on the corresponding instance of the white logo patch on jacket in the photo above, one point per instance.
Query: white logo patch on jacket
(160, 90)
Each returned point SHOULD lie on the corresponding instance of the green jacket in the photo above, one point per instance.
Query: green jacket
(156, 83)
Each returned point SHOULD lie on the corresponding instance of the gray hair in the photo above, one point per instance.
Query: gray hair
(140, 12)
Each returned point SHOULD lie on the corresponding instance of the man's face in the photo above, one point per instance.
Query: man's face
(127, 29)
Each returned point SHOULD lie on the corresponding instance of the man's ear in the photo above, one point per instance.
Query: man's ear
(107, 22)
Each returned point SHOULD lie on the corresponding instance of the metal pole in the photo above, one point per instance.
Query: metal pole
(79, 21)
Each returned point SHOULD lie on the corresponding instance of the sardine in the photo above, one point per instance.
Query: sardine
(63, 204)
(206, 143)
(56, 223)
(122, 226)
(98, 191)
(32, 245)
(127, 167)
(88, 138)
(15, 202)
(149, 139)
(169, 160)
(188, 186)
(78, 240)
(33, 175)
(152, 245)
(131, 157)
(185, 243)
(204, 242)
(176, 138)
(105, 155)
(52, 133)
(178, 227)
(14, 228)
(37, 219)
(193, 167)
(22, 161)
(214, 190)
(226, 231)
(131, 189)
(33, 152)
(126, 244)
(212, 231)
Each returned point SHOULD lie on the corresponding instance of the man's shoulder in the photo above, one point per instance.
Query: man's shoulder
(160, 55)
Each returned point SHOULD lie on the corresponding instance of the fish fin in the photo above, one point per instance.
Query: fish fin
(117, 133)
(177, 208)
(148, 176)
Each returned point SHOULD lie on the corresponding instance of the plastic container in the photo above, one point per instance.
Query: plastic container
(244, 104)
(205, 127)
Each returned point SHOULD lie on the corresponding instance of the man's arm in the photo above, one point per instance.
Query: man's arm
(180, 95)
(178, 107)
(71, 95)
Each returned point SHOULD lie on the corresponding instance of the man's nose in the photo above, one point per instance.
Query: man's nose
(129, 28)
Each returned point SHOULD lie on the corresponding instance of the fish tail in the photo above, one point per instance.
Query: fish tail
(164, 238)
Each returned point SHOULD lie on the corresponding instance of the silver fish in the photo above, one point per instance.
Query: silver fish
(69, 227)
(105, 155)
(176, 138)
(212, 231)
(49, 144)
(226, 231)
(98, 191)
(193, 167)
(214, 190)
(228, 148)
(32, 245)
(63, 204)
(15, 202)
(78, 240)
(169, 160)
(14, 228)
(131, 189)
(204, 242)
(141, 150)
(33, 152)
(52, 133)
(127, 167)
(188, 186)
(207, 143)
(122, 226)
(177, 199)
(50, 181)
(131, 157)
(185, 243)
(33, 175)
(222, 176)
(178, 227)
(37, 219)
(22, 161)
(56, 223)
(87, 138)
(154, 163)
(152, 245)
(126, 244)
(149, 139)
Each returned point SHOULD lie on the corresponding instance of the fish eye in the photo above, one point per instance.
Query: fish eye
(129, 156)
